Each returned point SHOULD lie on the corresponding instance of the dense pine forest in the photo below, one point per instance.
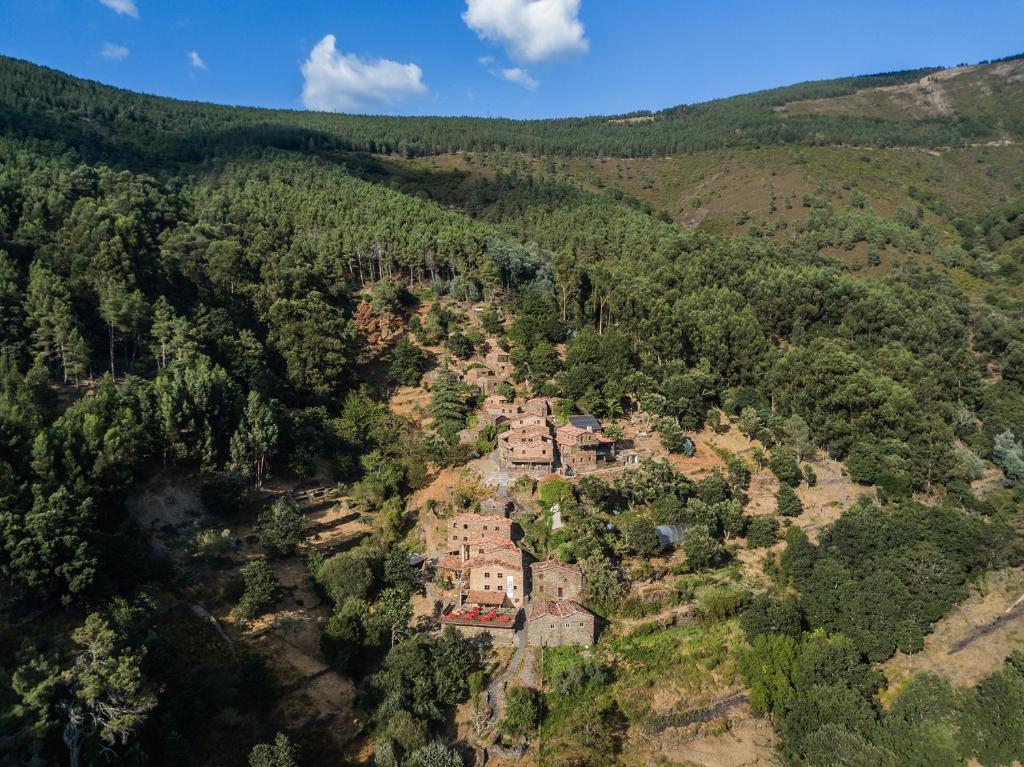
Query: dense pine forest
(200, 294)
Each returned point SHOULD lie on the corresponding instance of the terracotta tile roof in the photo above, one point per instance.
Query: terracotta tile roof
(554, 564)
(484, 519)
(521, 433)
(486, 597)
(568, 428)
(450, 562)
(490, 559)
(561, 608)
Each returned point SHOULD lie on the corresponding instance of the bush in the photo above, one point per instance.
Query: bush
(214, 544)
(784, 466)
(722, 601)
(345, 575)
(344, 636)
(762, 532)
(810, 477)
(279, 528)
(522, 712)
(280, 753)
(262, 589)
(788, 503)
(407, 363)
(671, 435)
(638, 536)
(701, 548)
(768, 614)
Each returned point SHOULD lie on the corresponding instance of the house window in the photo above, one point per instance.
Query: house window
(499, 575)
(487, 575)
(487, 587)
(465, 527)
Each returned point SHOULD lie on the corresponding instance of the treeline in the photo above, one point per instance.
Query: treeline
(111, 124)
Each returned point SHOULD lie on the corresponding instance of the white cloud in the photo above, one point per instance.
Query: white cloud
(195, 60)
(520, 77)
(335, 81)
(126, 7)
(114, 52)
(531, 30)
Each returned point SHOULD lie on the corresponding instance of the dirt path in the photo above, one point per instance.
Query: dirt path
(499, 685)
(973, 640)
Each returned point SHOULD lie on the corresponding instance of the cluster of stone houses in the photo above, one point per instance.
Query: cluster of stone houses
(531, 442)
(494, 583)
(534, 444)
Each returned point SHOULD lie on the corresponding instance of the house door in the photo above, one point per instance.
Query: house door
(510, 589)
(559, 592)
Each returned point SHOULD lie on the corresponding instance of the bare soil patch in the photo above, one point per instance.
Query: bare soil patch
(737, 739)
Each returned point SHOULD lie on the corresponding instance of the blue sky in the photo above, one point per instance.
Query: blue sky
(514, 58)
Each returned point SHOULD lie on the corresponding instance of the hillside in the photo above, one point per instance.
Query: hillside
(745, 377)
(106, 122)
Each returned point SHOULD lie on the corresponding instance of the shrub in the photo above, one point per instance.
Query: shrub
(788, 502)
(262, 589)
(784, 466)
(522, 712)
(279, 527)
(722, 601)
(701, 548)
(768, 614)
(762, 532)
(638, 536)
(345, 575)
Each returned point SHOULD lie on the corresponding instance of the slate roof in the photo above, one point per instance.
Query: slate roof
(585, 422)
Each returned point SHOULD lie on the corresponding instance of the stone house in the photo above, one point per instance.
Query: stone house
(538, 406)
(552, 579)
(528, 421)
(559, 622)
(483, 379)
(471, 435)
(581, 450)
(471, 527)
(497, 506)
(486, 615)
(497, 405)
(527, 450)
(500, 571)
(498, 360)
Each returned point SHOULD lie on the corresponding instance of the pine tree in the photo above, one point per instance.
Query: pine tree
(255, 440)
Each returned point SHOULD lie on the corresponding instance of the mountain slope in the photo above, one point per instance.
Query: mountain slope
(103, 121)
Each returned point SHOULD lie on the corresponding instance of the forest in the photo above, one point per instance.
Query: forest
(185, 287)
